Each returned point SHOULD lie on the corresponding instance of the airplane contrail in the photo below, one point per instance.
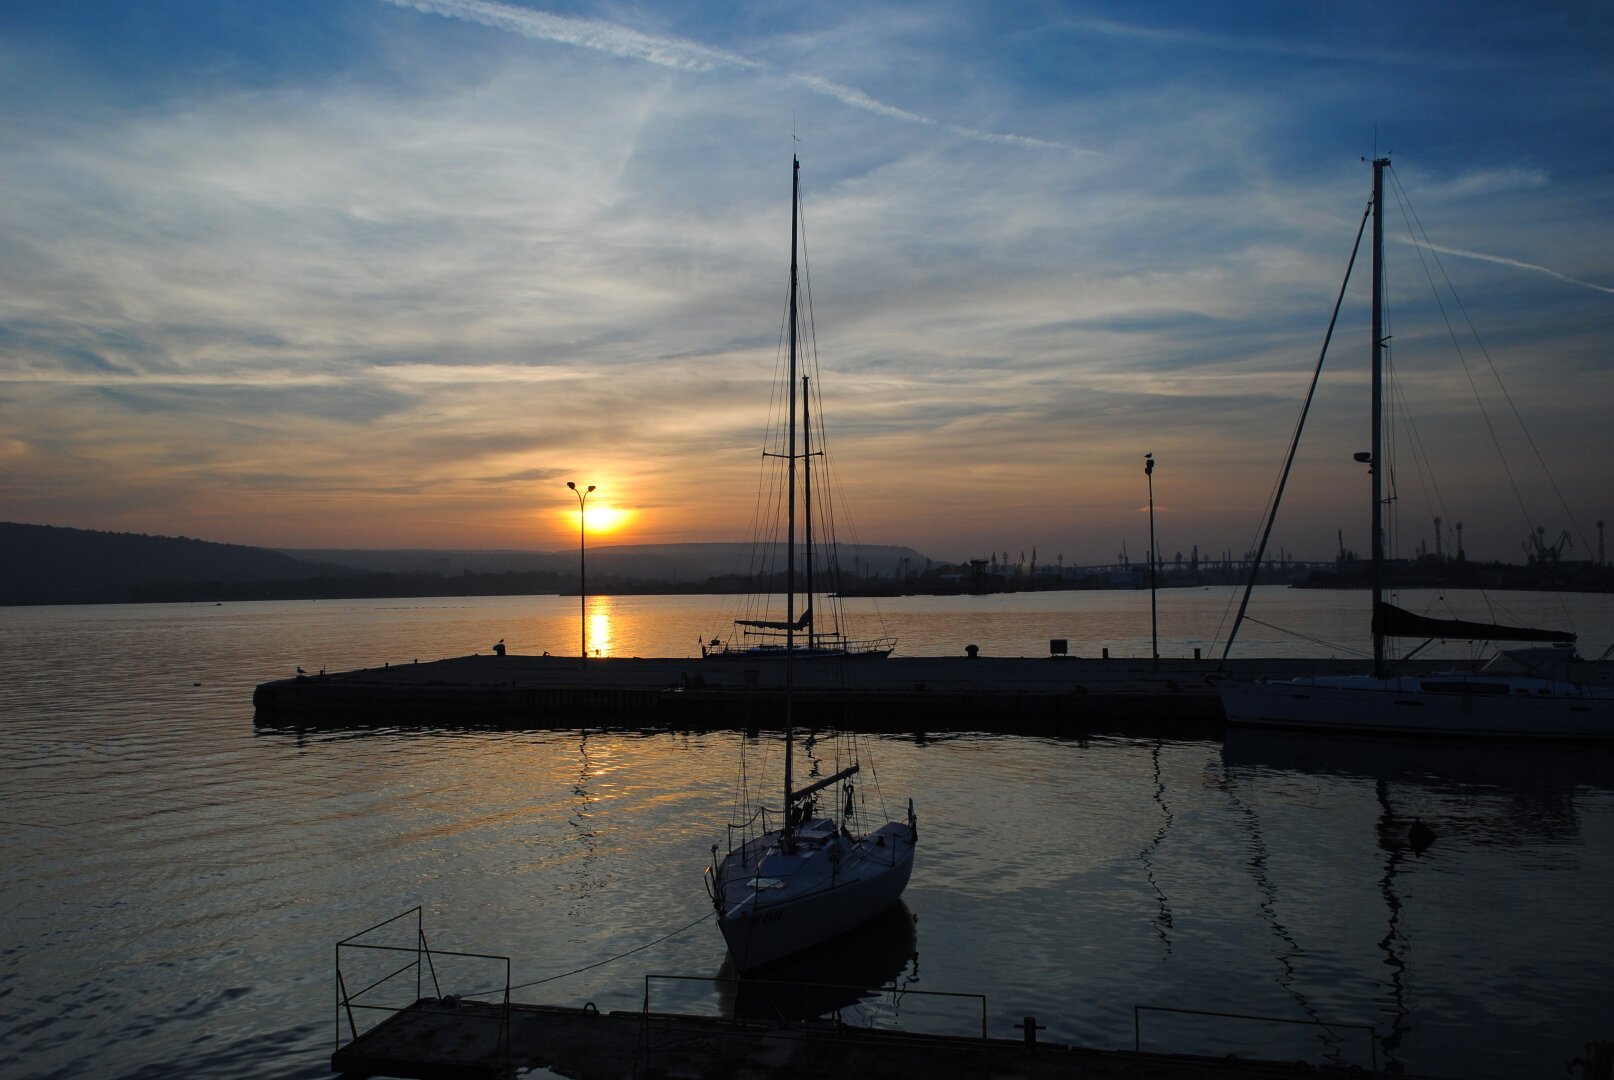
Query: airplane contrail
(622, 41)
(857, 99)
(1522, 265)
(593, 34)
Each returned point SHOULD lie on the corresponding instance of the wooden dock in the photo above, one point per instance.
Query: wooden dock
(1057, 696)
(451, 1040)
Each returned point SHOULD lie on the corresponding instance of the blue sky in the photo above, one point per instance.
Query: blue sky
(387, 274)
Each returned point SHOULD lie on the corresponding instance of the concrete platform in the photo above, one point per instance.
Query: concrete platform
(448, 1041)
(1057, 696)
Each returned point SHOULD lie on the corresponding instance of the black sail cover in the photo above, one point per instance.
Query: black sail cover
(1392, 621)
(767, 624)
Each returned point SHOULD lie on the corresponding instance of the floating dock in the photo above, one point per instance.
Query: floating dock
(1058, 696)
(449, 1040)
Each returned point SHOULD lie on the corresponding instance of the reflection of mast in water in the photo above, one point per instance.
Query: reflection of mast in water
(812, 766)
(1514, 796)
(887, 1008)
(587, 837)
(898, 985)
(1269, 910)
(1162, 919)
(1396, 839)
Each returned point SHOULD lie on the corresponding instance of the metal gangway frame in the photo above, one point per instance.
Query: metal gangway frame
(421, 963)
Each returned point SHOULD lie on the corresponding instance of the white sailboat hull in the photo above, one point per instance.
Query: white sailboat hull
(1456, 703)
(773, 906)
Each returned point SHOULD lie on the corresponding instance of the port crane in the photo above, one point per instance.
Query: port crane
(1537, 550)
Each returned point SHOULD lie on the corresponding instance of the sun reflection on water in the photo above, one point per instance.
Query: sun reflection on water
(600, 639)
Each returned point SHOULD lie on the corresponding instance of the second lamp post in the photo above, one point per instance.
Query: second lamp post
(1154, 561)
(582, 564)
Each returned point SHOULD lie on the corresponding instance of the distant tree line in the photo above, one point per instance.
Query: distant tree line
(52, 565)
(373, 585)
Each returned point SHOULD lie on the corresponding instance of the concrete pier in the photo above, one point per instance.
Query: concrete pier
(1057, 695)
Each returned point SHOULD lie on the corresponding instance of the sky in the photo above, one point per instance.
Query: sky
(388, 273)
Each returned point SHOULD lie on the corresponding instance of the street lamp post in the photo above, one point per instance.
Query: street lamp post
(582, 564)
(1154, 561)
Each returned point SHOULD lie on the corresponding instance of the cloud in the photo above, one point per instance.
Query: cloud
(1335, 37)
(611, 38)
(681, 53)
(855, 98)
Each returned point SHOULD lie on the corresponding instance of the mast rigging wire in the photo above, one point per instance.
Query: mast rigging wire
(1294, 443)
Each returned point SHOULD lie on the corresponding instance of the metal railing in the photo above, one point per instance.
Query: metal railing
(424, 962)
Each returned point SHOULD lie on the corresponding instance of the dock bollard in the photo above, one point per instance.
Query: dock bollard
(1031, 1027)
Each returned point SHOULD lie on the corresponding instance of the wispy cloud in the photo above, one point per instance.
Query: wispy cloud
(1334, 48)
(628, 43)
(606, 37)
(857, 99)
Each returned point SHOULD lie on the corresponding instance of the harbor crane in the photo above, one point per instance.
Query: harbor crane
(1537, 550)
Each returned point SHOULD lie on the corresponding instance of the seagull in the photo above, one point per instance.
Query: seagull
(300, 671)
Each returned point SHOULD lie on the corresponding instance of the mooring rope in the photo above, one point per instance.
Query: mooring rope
(597, 963)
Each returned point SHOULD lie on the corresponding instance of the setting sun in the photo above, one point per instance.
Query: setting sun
(606, 518)
(603, 518)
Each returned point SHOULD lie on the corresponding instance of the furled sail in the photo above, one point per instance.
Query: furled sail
(765, 624)
(1392, 621)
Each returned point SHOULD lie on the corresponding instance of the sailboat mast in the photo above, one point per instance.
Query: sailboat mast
(790, 505)
(1377, 470)
(807, 505)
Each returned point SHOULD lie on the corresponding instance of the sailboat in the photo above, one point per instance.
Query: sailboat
(804, 635)
(795, 877)
(1521, 693)
(816, 631)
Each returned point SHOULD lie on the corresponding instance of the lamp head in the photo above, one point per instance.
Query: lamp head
(571, 485)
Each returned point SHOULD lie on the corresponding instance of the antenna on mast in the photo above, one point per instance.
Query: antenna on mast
(1387, 154)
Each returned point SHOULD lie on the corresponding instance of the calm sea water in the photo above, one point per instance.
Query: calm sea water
(174, 879)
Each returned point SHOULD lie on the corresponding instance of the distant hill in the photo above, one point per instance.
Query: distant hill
(666, 563)
(45, 564)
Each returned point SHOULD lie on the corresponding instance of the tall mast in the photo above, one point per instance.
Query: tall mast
(1377, 469)
(790, 504)
(807, 505)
